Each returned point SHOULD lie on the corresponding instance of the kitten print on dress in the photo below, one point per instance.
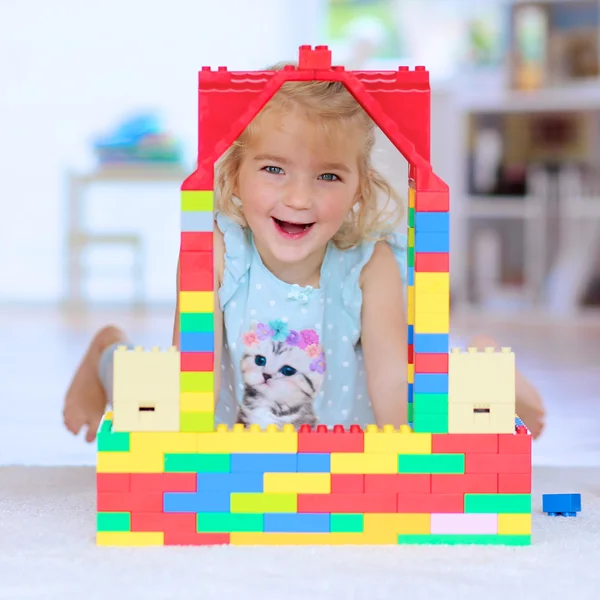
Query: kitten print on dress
(282, 372)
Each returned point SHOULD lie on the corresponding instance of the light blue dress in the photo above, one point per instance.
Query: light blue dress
(323, 324)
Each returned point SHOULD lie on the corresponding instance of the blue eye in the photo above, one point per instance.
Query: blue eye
(287, 371)
(329, 177)
(260, 361)
(274, 170)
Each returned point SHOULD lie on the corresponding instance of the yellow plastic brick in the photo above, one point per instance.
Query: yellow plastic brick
(436, 283)
(514, 524)
(431, 322)
(432, 302)
(130, 538)
(148, 442)
(130, 462)
(297, 483)
(196, 302)
(252, 440)
(389, 440)
(418, 523)
(196, 402)
(313, 539)
(263, 503)
(359, 463)
(195, 201)
(411, 373)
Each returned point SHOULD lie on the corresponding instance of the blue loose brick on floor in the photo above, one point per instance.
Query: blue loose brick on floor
(197, 220)
(432, 343)
(432, 222)
(263, 463)
(314, 463)
(186, 502)
(197, 341)
(432, 242)
(230, 482)
(561, 503)
(427, 383)
(297, 523)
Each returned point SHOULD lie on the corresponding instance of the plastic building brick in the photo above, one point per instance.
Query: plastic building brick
(460, 473)
(561, 505)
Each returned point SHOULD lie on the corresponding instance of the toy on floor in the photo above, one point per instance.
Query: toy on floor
(561, 505)
(460, 474)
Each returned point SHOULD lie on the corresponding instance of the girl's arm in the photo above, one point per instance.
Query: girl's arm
(384, 337)
(218, 253)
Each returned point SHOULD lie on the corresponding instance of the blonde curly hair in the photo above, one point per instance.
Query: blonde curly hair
(331, 105)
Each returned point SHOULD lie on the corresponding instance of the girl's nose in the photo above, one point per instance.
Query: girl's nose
(299, 197)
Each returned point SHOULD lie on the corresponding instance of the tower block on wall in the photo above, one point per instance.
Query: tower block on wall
(460, 472)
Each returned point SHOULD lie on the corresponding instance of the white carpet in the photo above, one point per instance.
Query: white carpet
(47, 551)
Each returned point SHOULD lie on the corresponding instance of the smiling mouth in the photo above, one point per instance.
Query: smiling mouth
(292, 229)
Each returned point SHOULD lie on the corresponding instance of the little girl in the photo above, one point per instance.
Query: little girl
(309, 317)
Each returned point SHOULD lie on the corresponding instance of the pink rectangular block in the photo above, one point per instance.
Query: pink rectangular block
(464, 523)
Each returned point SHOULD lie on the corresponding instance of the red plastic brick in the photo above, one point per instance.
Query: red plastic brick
(431, 503)
(432, 262)
(514, 483)
(486, 483)
(113, 482)
(346, 503)
(411, 354)
(498, 463)
(400, 483)
(130, 502)
(175, 522)
(196, 271)
(514, 444)
(164, 482)
(197, 361)
(324, 440)
(347, 484)
(485, 443)
(319, 58)
(177, 538)
(196, 241)
(432, 201)
(431, 363)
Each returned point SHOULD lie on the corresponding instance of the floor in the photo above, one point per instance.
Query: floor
(42, 348)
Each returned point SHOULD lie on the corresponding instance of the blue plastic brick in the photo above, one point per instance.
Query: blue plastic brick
(230, 482)
(200, 341)
(411, 334)
(314, 463)
(297, 523)
(428, 383)
(432, 343)
(432, 222)
(186, 502)
(432, 242)
(567, 505)
(197, 221)
(411, 276)
(411, 392)
(263, 463)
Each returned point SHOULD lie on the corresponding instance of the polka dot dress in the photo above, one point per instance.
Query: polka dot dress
(320, 327)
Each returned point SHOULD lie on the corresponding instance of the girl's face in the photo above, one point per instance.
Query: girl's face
(297, 186)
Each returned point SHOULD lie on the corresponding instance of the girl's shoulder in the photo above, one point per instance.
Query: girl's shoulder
(233, 253)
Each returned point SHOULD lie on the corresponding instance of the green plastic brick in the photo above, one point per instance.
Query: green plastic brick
(411, 257)
(190, 381)
(109, 441)
(192, 201)
(431, 403)
(196, 322)
(197, 422)
(346, 523)
(432, 463)
(430, 422)
(411, 412)
(197, 463)
(411, 217)
(484, 539)
(263, 503)
(229, 523)
(498, 503)
(113, 521)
